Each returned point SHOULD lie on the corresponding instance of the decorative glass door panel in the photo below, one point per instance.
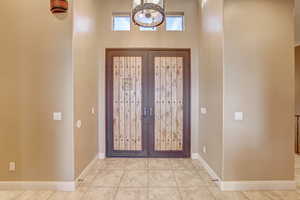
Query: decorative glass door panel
(168, 104)
(127, 98)
(147, 103)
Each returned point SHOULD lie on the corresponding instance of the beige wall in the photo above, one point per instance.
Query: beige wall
(297, 21)
(35, 81)
(211, 83)
(85, 83)
(259, 81)
(251, 70)
(297, 56)
(159, 39)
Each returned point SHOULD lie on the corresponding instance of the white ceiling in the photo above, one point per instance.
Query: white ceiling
(297, 15)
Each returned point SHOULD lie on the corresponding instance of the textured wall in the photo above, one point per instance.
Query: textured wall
(35, 81)
(85, 83)
(259, 81)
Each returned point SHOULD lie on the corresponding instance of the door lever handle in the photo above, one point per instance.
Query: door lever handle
(145, 112)
(151, 111)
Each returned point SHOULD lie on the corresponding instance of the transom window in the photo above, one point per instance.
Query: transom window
(175, 23)
(121, 23)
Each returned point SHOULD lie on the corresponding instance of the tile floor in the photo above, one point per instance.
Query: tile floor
(150, 179)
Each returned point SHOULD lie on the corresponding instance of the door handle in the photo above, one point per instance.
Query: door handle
(151, 111)
(145, 112)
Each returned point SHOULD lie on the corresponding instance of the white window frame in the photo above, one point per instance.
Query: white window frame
(155, 30)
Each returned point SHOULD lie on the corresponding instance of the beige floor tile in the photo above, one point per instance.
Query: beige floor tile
(139, 163)
(7, 195)
(256, 195)
(297, 172)
(161, 178)
(115, 163)
(76, 195)
(100, 164)
(159, 163)
(187, 178)
(220, 195)
(94, 171)
(298, 188)
(35, 195)
(108, 178)
(196, 193)
(168, 179)
(87, 180)
(135, 178)
(100, 194)
(164, 194)
(281, 195)
(184, 164)
(207, 178)
(198, 165)
(132, 194)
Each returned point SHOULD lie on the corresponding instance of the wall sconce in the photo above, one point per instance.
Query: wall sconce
(59, 6)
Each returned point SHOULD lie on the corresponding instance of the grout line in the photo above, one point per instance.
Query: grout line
(84, 193)
(178, 188)
(148, 180)
(19, 195)
(118, 187)
(210, 192)
(90, 186)
(244, 195)
(52, 194)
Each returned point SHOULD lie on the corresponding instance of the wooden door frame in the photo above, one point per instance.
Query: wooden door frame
(146, 142)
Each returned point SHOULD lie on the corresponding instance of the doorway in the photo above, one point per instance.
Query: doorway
(148, 103)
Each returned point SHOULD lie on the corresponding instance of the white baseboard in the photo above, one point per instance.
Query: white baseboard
(257, 185)
(101, 155)
(43, 185)
(247, 185)
(209, 170)
(38, 185)
(86, 170)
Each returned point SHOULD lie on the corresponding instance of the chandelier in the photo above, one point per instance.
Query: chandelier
(148, 13)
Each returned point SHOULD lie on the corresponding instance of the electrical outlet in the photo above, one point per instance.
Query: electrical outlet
(57, 116)
(203, 111)
(12, 166)
(204, 149)
(239, 116)
(93, 110)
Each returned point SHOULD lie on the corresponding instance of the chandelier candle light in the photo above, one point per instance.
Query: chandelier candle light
(148, 13)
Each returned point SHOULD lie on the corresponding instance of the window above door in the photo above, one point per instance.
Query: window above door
(175, 21)
(121, 22)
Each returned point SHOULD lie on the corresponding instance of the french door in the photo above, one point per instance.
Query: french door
(147, 103)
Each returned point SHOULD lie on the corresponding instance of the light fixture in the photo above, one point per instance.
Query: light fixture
(203, 3)
(59, 6)
(148, 13)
